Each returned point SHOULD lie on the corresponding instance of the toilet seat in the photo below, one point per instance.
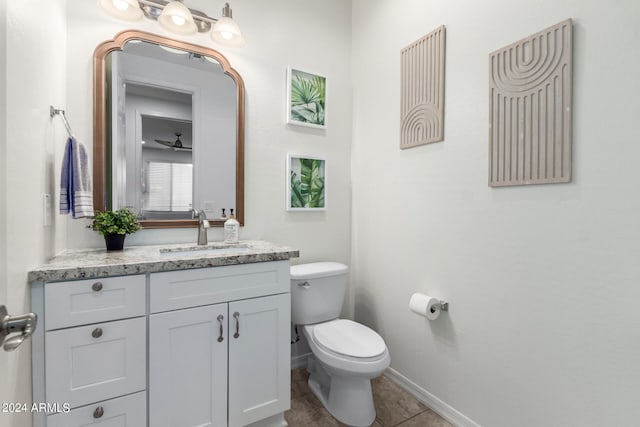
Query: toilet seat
(350, 339)
(322, 347)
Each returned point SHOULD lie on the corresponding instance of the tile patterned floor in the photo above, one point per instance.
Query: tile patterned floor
(394, 406)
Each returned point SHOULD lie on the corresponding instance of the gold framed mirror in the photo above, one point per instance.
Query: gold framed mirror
(125, 179)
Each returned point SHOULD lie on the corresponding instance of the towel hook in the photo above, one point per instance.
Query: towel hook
(55, 111)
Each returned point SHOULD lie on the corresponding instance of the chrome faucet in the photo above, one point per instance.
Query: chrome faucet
(203, 224)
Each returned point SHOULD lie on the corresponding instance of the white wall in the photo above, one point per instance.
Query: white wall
(35, 76)
(542, 280)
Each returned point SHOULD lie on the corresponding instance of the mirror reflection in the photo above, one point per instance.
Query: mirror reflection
(166, 178)
(173, 129)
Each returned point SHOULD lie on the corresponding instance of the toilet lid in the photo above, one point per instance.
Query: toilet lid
(349, 338)
(315, 270)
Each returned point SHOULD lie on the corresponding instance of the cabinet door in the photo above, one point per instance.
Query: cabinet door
(188, 367)
(259, 358)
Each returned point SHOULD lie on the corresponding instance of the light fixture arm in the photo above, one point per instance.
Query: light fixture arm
(152, 9)
(226, 11)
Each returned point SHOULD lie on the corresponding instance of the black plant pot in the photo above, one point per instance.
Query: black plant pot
(115, 242)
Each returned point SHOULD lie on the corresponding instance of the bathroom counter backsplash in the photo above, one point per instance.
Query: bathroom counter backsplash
(92, 263)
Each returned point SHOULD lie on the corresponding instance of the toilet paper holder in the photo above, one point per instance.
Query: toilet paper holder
(444, 305)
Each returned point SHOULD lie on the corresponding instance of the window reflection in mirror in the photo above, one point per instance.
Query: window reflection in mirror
(168, 189)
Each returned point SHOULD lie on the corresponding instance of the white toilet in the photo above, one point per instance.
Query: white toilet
(346, 354)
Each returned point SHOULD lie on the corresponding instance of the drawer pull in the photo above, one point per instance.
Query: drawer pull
(99, 412)
(236, 316)
(221, 337)
(97, 333)
(97, 287)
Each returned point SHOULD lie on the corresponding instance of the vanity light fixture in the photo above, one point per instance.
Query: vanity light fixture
(177, 18)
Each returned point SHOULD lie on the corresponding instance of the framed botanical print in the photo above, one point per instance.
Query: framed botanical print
(306, 99)
(306, 183)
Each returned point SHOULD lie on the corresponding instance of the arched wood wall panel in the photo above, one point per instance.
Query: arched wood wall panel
(530, 109)
(422, 90)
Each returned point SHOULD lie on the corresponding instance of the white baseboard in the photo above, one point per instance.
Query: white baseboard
(299, 361)
(436, 405)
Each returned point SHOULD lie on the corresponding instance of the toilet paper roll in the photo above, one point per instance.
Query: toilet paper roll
(425, 306)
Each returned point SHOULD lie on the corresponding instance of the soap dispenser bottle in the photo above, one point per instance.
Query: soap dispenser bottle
(231, 229)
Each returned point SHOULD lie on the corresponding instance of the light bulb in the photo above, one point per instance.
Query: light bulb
(127, 10)
(120, 5)
(226, 32)
(178, 20)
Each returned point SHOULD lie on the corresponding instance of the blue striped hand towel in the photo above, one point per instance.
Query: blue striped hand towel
(76, 195)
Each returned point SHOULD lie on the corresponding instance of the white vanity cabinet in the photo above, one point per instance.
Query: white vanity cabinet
(226, 361)
(182, 348)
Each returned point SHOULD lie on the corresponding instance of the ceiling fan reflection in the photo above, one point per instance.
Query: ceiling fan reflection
(174, 145)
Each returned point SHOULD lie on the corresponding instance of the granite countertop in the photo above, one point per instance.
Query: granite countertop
(92, 263)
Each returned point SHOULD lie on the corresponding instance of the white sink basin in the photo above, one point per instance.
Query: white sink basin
(205, 250)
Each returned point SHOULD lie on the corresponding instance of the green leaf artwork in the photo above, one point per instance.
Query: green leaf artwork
(307, 180)
(308, 93)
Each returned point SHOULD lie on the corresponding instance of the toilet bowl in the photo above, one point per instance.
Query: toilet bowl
(346, 355)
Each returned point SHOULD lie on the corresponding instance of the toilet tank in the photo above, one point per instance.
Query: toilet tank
(317, 291)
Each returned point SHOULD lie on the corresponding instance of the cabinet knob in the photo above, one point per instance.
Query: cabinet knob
(97, 287)
(97, 333)
(99, 412)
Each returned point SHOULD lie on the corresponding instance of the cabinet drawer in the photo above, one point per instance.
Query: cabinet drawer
(190, 288)
(127, 411)
(81, 302)
(88, 364)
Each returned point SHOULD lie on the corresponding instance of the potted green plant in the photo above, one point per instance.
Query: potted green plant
(114, 226)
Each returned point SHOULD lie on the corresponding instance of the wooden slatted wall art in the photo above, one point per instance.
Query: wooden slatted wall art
(422, 90)
(530, 109)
